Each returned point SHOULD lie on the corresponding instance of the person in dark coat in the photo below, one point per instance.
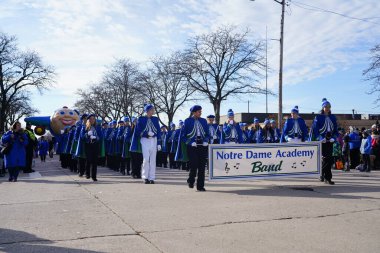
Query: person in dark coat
(30, 148)
(15, 159)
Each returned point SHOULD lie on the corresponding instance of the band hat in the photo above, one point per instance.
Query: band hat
(84, 116)
(325, 102)
(230, 113)
(211, 116)
(195, 108)
(91, 115)
(148, 107)
(256, 120)
(295, 109)
(126, 119)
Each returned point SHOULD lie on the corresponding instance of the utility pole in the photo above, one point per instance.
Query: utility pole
(281, 65)
(266, 70)
(248, 106)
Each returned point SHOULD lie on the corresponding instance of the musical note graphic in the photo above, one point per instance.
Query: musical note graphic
(236, 166)
(303, 163)
(227, 169)
(294, 166)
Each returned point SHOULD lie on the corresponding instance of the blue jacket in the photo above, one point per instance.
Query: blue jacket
(367, 146)
(81, 147)
(87, 138)
(43, 147)
(323, 124)
(189, 131)
(144, 125)
(70, 140)
(226, 135)
(355, 141)
(173, 139)
(277, 134)
(17, 156)
(127, 135)
(290, 130)
(62, 142)
(214, 133)
(255, 135)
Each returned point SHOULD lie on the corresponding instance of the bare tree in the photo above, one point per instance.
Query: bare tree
(19, 71)
(372, 73)
(21, 107)
(115, 95)
(165, 86)
(222, 64)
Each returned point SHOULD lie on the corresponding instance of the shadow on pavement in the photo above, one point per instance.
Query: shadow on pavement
(14, 241)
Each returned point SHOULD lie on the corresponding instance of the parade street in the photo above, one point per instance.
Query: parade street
(54, 210)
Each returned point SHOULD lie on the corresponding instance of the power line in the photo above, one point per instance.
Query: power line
(315, 8)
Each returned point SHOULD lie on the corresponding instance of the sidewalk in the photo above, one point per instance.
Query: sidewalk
(56, 211)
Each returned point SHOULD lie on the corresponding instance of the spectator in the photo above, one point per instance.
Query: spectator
(375, 146)
(30, 148)
(365, 150)
(15, 159)
(354, 148)
(346, 152)
(43, 147)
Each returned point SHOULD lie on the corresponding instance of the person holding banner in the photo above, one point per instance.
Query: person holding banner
(254, 134)
(213, 129)
(244, 133)
(231, 130)
(295, 129)
(276, 131)
(195, 134)
(325, 129)
(267, 132)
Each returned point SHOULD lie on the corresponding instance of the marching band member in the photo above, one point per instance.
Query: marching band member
(91, 134)
(136, 152)
(213, 129)
(80, 151)
(171, 146)
(295, 129)
(231, 131)
(125, 155)
(119, 140)
(162, 156)
(325, 129)
(267, 135)
(244, 134)
(254, 134)
(102, 159)
(276, 131)
(112, 146)
(147, 132)
(195, 134)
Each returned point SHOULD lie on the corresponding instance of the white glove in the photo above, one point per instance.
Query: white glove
(289, 139)
(62, 131)
(89, 133)
(332, 140)
(150, 133)
(205, 144)
(231, 122)
(268, 138)
(193, 144)
(215, 137)
(93, 137)
(159, 147)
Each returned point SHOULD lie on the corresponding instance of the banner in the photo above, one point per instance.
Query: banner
(250, 161)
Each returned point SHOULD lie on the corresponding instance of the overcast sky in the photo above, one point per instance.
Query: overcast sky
(324, 53)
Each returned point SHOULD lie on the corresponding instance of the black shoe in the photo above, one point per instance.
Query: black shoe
(88, 177)
(10, 180)
(94, 179)
(329, 182)
(134, 176)
(123, 172)
(147, 181)
(321, 179)
(191, 186)
(128, 173)
(201, 190)
(151, 181)
(80, 175)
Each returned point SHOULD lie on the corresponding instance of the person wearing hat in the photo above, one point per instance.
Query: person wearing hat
(135, 151)
(276, 131)
(80, 152)
(172, 145)
(30, 148)
(61, 148)
(125, 154)
(43, 147)
(213, 129)
(295, 129)
(112, 146)
(69, 144)
(108, 143)
(267, 135)
(119, 140)
(103, 148)
(92, 134)
(244, 133)
(325, 129)
(231, 130)
(162, 156)
(255, 133)
(147, 132)
(195, 135)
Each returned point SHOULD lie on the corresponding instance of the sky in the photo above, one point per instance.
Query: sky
(324, 53)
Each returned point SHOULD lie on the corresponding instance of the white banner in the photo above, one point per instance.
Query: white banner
(246, 161)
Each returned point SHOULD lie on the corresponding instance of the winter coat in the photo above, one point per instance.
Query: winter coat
(17, 156)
